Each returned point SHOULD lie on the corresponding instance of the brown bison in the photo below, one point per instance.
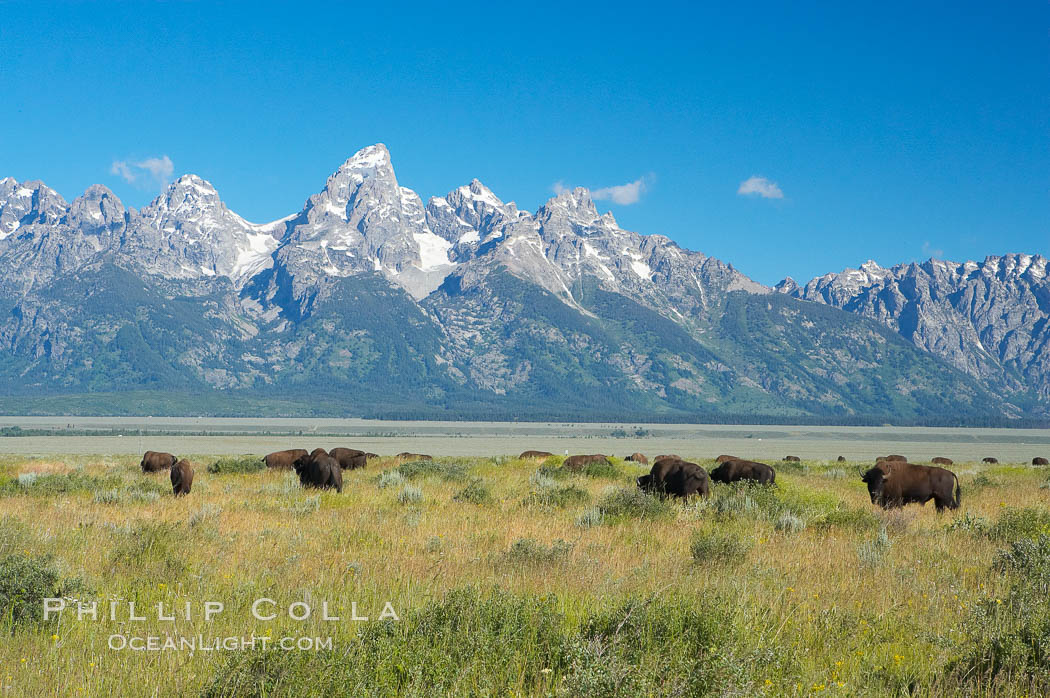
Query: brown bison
(723, 458)
(989, 459)
(676, 478)
(405, 455)
(528, 455)
(892, 458)
(894, 484)
(734, 470)
(792, 459)
(581, 462)
(940, 460)
(349, 458)
(320, 470)
(638, 458)
(155, 461)
(283, 459)
(181, 477)
(666, 456)
(370, 456)
(1038, 460)
(841, 459)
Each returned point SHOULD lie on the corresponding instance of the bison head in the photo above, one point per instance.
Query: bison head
(645, 482)
(875, 479)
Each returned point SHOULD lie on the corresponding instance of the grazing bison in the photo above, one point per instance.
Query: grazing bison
(723, 458)
(581, 462)
(181, 477)
(155, 461)
(792, 459)
(1040, 461)
(940, 460)
(894, 484)
(349, 458)
(676, 478)
(841, 459)
(413, 456)
(319, 470)
(370, 456)
(527, 455)
(283, 459)
(638, 458)
(989, 459)
(734, 470)
(892, 458)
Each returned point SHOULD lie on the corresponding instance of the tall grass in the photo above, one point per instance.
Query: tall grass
(513, 581)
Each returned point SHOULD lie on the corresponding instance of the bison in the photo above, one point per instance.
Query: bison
(581, 462)
(155, 461)
(894, 484)
(892, 458)
(941, 460)
(792, 459)
(349, 458)
(723, 458)
(676, 478)
(989, 459)
(638, 458)
(319, 470)
(734, 470)
(405, 455)
(841, 459)
(527, 455)
(1038, 460)
(283, 459)
(181, 477)
(370, 456)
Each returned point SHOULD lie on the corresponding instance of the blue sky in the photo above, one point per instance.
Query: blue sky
(785, 138)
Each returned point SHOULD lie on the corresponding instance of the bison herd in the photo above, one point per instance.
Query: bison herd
(892, 482)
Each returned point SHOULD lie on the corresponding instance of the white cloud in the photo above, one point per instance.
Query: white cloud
(623, 194)
(155, 171)
(760, 186)
(931, 251)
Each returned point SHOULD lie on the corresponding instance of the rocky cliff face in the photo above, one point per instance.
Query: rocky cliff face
(987, 318)
(464, 301)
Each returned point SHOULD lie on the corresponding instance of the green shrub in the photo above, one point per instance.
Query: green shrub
(303, 506)
(390, 478)
(452, 471)
(24, 584)
(1009, 637)
(632, 503)
(790, 523)
(45, 485)
(239, 465)
(1016, 523)
(527, 551)
(552, 472)
(857, 519)
(150, 550)
(605, 469)
(410, 494)
(498, 644)
(591, 517)
(475, 492)
(726, 547)
(873, 552)
(549, 493)
(969, 523)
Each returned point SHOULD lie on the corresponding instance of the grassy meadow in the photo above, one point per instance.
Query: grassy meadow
(517, 578)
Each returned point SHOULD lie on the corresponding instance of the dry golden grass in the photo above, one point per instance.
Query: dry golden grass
(846, 624)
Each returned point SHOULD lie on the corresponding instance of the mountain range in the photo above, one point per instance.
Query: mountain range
(371, 302)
